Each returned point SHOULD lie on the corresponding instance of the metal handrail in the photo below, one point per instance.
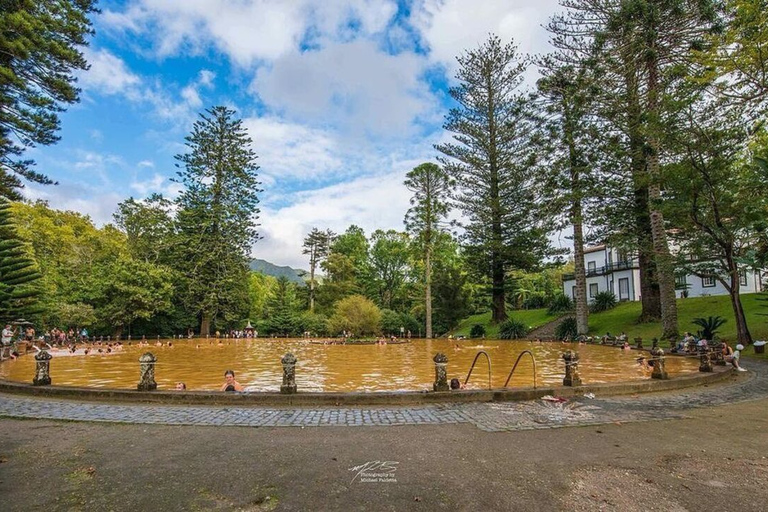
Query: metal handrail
(533, 358)
(473, 367)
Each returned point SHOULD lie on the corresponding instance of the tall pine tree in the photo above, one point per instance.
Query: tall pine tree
(19, 275)
(317, 245)
(217, 215)
(490, 159)
(431, 187)
(40, 45)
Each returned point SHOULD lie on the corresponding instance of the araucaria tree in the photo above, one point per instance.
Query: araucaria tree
(567, 93)
(19, 275)
(217, 216)
(317, 245)
(490, 159)
(39, 51)
(431, 187)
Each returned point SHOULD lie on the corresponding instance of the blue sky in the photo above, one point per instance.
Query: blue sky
(340, 97)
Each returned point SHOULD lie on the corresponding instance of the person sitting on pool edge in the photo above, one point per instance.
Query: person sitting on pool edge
(230, 384)
(456, 384)
(734, 359)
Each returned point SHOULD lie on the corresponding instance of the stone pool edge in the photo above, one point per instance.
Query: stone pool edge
(720, 375)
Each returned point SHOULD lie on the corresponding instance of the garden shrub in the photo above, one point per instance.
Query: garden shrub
(709, 326)
(603, 301)
(560, 304)
(536, 300)
(512, 330)
(567, 329)
(477, 331)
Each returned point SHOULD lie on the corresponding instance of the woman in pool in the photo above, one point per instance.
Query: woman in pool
(230, 384)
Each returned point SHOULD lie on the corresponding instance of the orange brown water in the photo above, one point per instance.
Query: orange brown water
(403, 367)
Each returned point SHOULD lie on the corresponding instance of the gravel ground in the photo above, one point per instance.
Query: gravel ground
(711, 459)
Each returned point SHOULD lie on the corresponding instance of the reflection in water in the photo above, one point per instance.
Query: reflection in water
(404, 367)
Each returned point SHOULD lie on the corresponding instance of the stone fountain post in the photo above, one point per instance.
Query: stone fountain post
(705, 362)
(147, 369)
(441, 372)
(572, 377)
(289, 374)
(42, 369)
(657, 356)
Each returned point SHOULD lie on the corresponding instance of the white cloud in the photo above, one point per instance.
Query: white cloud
(450, 27)
(206, 77)
(190, 95)
(249, 31)
(353, 86)
(291, 150)
(157, 184)
(108, 73)
(79, 197)
(244, 30)
(371, 202)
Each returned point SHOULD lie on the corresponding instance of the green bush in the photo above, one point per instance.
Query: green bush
(603, 301)
(537, 300)
(477, 331)
(392, 321)
(560, 304)
(512, 330)
(316, 325)
(709, 326)
(567, 329)
(355, 314)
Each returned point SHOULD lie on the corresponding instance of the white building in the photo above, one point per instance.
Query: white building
(618, 272)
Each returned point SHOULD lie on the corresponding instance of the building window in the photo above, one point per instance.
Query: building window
(623, 257)
(624, 288)
(708, 282)
(743, 278)
(592, 290)
(681, 282)
(591, 268)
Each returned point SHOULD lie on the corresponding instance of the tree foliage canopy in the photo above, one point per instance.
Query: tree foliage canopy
(40, 48)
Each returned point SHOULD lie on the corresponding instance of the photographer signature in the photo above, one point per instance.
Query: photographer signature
(378, 466)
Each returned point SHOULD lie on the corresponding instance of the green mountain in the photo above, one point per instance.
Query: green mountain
(294, 275)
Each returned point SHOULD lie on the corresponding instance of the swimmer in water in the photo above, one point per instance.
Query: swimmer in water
(230, 384)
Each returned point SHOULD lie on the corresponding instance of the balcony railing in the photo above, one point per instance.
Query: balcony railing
(607, 269)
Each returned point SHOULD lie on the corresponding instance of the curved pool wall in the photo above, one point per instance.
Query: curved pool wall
(338, 368)
(523, 390)
(721, 374)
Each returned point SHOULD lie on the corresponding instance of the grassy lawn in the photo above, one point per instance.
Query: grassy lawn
(533, 318)
(624, 318)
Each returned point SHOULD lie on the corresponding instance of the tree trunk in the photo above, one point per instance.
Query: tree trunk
(428, 286)
(497, 292)
(666, 275)
(664, 264)
(742, 330)
(205, 325)
(118, 332)
(312, 287)
(650, 298)
(582, 308)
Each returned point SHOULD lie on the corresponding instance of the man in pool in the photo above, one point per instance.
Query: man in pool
(230, 384)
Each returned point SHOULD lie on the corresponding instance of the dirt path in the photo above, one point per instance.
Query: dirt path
(714, 459)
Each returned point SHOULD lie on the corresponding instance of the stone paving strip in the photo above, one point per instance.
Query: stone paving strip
(490, 417)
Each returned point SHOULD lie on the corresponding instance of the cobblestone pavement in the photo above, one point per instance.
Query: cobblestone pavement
(491, 417)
